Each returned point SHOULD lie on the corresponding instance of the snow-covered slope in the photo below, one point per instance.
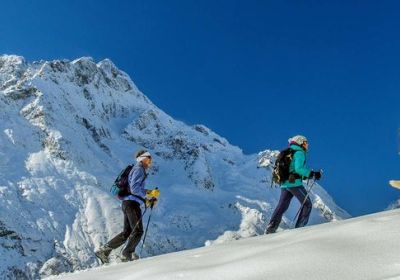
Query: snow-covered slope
(68, 127)
(394, 205)
(361, 248)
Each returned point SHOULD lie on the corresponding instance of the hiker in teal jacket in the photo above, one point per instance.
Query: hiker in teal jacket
(297, 167)
(294, 186)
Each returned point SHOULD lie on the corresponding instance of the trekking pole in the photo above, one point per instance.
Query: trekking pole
(304, 201)
(147, 227)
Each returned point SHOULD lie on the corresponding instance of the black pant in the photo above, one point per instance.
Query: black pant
(133, 228)
(284, 201)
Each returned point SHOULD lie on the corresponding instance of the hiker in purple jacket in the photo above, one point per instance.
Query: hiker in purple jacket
(133, 227)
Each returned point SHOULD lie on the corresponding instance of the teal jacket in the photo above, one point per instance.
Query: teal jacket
(297, 166)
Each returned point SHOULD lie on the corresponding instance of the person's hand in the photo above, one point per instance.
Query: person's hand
(316, 175)
(153, 193)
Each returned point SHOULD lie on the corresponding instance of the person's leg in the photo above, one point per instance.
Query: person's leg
(283, 205)
(301, 194)
(104, 251)
(120, 238)
(134, 214)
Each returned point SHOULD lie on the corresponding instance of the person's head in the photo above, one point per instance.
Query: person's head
(299, 140)
(144, 157)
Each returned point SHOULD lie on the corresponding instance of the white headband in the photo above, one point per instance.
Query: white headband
(143, 156)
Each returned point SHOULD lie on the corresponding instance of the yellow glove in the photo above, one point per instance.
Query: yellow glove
(153, 193)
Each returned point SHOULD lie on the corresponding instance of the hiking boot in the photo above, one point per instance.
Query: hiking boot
(126, 257)
(271, 228)
(103, 253)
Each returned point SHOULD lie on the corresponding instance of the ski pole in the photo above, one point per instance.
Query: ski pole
(304, 201)
(147, 227)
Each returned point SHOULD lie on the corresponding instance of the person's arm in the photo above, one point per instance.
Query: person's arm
(299, 167)
(135, 183)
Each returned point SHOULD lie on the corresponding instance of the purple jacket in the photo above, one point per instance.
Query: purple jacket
(136, 179)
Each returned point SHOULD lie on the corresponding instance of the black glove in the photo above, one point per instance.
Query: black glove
(316, 175)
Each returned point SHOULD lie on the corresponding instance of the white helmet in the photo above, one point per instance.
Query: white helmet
(298, 139)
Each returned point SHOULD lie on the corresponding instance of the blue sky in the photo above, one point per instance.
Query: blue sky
(256, 72)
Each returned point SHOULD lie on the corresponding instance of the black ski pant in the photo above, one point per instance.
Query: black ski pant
(133, 228)
(284, 201)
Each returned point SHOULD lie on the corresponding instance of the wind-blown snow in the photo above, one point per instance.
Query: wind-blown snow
(361, 248)
(68, 127)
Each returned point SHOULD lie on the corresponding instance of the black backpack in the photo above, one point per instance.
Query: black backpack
(120, 188)
(281, 172)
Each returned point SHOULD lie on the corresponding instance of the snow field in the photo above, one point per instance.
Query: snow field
(361, 248)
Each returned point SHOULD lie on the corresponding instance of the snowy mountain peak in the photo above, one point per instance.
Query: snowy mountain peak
(67, 129)
(7, 61)
(11, 69)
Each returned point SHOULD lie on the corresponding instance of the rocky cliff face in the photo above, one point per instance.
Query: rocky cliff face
(68, 127)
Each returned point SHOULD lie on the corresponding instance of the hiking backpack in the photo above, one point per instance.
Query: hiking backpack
(120, 188)
(281, 172)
